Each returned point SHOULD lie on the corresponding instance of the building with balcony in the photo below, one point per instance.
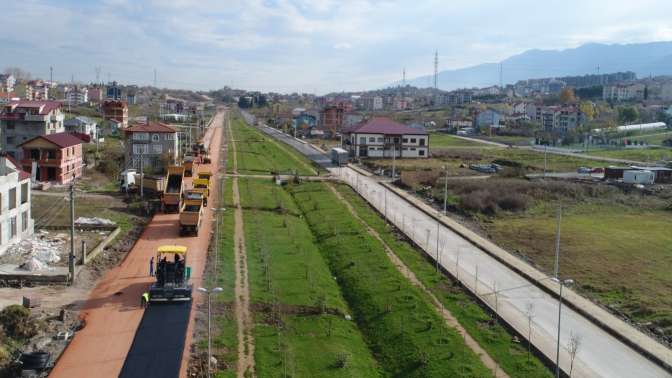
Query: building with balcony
(53, 158)
(382, 137)
(7, 82)
(82, 125)
(77, 95)
(16, 222)
(24, 120)
(155, 144)
(116, 111)
(37, 90)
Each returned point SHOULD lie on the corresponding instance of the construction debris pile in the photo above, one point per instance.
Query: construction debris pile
(95, 221)
(37, 252)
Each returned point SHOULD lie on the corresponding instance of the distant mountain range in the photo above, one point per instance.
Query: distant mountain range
(642, 58)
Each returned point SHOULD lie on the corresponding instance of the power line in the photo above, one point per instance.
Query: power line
(436, 69)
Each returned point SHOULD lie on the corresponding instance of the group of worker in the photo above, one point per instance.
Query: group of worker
(179, 270)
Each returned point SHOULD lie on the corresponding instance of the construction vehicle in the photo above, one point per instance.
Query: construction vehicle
(172, 195)
(191, 213)
(172, 277)
(188, 165)
(202, 184)
(130, 181)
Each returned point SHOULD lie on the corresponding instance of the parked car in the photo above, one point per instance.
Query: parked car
(584, 170)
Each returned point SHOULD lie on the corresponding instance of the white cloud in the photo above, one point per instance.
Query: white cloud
(298, 45)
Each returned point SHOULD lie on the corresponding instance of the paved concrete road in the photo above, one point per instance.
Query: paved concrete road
(600, 354)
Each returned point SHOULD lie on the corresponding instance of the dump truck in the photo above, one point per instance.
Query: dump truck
(172, 275)
(188, 165)
(172, 194)
(191, 214)
(130, 181)
(202, 186)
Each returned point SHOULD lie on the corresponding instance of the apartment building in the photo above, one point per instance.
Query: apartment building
(382, 137)
(114, 110)
(16, 222)
(155, 144)
(77, 95)
(24, 120)
(561, 118)
(7, 82)
(53, 158)
(623, 92)
(82, 125)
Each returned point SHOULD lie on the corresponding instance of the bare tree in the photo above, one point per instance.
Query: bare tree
(529, 312)
(18, 73)
(573, 348)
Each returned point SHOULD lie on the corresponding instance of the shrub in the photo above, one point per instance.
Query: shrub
(16, 321)
(341, 361)
(479, 201)
(513, 202)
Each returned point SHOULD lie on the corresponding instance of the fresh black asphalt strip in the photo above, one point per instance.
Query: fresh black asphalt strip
(159, 342)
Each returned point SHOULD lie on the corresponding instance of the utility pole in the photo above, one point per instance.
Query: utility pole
(71, 258)
(437, 245)
(142, 172)
(501, 76)
(155, 85)
(445, 193)
(545, 159)
(556, 268)
(51, 74)
(394, 154)
(436, 69)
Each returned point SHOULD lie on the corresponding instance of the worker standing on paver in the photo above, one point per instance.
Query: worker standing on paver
(151, 266)
(144, 300)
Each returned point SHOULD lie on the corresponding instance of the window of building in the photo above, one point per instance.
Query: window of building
(362, 140)
(155, 137)
(51, 154)
(24, 192)
(380, 140)
(372, 140)
(396, 140)
(12, 199)
(170, 136)
(24, 221)
(10, 125)
(10, 140)
(413, 149)
(157, 149)
(421, 153)
(422, 141)
(140, 149)
(405, 140)
(140, 136)
(413, 140)
(12, 227)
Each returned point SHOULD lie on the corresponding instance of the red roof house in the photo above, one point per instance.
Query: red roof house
(55, 157)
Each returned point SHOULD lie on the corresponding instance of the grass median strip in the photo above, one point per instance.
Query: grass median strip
(407, 336)
(260, 154)
(478, 322)
(300, 315)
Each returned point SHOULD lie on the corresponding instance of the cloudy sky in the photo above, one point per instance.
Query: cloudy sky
(302, 45)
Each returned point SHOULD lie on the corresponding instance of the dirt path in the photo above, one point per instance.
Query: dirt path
(242, 291)
(450, 320)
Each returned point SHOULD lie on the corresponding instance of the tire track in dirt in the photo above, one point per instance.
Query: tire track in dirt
(245, 366)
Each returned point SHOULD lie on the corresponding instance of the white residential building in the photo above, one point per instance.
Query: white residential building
(77, 95)
(382, 137)
(16, 222)
(620, 92)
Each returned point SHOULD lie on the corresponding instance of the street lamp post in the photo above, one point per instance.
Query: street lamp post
(562, 283)
(445, 192)
(209, 292)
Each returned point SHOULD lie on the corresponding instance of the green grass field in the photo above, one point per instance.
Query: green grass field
(299, 307)
(260, 154)
(618, 254)
(405, 333)
(652, 154)
(494, 338)
(224, 342)
(441, 140)
(531, 161)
